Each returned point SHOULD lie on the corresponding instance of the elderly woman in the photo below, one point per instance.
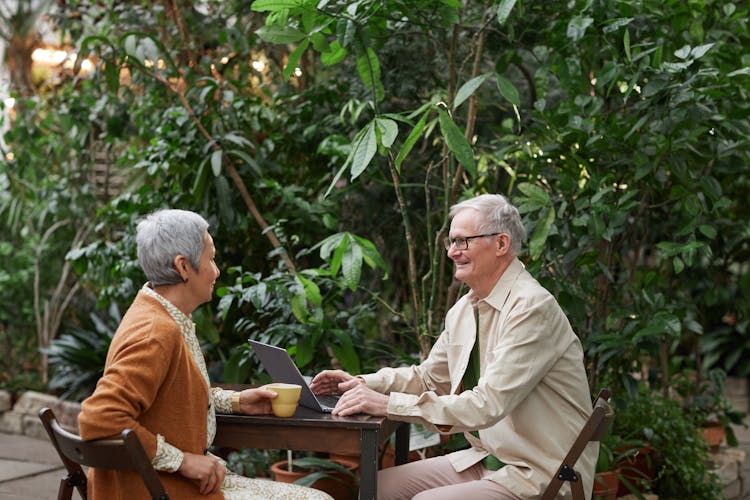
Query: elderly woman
(155, 378)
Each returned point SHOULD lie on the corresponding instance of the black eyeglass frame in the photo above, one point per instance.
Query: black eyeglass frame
(462, 242)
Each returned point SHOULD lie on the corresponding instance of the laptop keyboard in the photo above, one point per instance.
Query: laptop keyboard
(329, 400)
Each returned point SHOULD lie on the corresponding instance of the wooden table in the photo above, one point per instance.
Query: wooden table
(310, 430)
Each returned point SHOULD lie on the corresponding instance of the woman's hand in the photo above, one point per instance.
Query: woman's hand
(334, 382)
(207, 470)
(256, 401)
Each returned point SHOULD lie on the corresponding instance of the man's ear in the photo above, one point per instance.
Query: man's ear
(503, 243)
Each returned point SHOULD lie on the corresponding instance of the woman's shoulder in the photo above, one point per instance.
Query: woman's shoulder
(146, 320)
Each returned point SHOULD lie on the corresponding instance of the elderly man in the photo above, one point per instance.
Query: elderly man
(507, 371)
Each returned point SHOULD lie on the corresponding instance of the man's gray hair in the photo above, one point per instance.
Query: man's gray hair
(163, 235)
(498, 215)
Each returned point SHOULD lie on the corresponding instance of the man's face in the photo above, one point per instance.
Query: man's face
(477, 266)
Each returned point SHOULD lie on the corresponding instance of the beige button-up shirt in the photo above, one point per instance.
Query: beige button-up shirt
(532, 398)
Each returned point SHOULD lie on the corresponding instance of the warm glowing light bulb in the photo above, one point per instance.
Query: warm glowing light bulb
(258, 66)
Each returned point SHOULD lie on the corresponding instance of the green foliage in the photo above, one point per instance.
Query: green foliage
(313, 313)
(619, 128)
(251, 462)
(705, 401)
(635, 152)
(320, 468)
(77, 357)
(681, 458)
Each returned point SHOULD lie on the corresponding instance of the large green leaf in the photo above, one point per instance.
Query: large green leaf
(216, 162)
(274, 5)
(577, 27)
(351, 267)
(279, 34)
(363, 150)
(504, 9)
(142, 47)
(312, 291)
(294, 58)
(508, 90)
(345, 352)
(468, 88)
(541, 231)
(370, 253)
(411, 140)
(388, 131)
(335, 54)
(368, 67)
(456, 141)
(537, 195)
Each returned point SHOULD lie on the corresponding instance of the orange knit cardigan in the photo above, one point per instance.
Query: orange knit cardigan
(151, 384)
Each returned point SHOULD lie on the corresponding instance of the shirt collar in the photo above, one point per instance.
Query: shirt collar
(179, 317)
(501, 290)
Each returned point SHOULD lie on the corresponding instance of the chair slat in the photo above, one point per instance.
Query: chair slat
(594, 429)
(118, 454)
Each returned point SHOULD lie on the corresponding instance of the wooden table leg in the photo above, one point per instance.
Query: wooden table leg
(368, 467)
(402, 443)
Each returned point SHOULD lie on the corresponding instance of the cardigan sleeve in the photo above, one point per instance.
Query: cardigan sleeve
(135, 371)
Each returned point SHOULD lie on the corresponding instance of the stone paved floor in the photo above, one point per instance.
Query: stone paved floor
(743, 436)
(29, 468)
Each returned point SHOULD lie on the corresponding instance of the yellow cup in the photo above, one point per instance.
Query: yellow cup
(287, 397)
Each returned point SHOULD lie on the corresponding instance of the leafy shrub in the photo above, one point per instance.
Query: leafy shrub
(681, 455)
(77, 357)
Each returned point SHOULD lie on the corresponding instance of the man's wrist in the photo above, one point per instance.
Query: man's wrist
(236, 402)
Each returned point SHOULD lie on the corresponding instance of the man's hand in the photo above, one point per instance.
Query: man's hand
(361, 399)
(256, 401)
(333, 382)
(207, 470)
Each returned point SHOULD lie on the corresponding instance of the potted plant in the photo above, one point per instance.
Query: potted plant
(711, 410)
(249, 462)
(677, 459)
(336, 476)
(606, 479)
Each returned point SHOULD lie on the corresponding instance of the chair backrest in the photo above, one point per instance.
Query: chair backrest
(121, 454)
(593, 430)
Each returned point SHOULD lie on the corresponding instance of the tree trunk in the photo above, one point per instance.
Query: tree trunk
(19, 64)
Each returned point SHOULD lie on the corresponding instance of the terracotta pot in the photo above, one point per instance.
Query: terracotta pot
(339, 486)
(606, 485)
(637, 469)
(714, 434)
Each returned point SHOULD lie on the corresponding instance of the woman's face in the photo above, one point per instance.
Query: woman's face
(202, 280)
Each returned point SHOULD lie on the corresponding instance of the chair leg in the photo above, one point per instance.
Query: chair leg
(66, 490)
(69, 484)
(577, 488)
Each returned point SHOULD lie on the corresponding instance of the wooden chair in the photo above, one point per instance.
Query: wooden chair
(593, 430)
(121, 454)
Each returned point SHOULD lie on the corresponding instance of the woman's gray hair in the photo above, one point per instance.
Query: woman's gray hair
(165, 234)
(498, 215)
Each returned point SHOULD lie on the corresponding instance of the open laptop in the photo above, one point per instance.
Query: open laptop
(281, 367)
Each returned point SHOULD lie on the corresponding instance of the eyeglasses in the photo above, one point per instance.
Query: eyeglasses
(462, 242)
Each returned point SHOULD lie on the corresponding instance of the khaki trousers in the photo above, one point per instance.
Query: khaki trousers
(436, 479)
